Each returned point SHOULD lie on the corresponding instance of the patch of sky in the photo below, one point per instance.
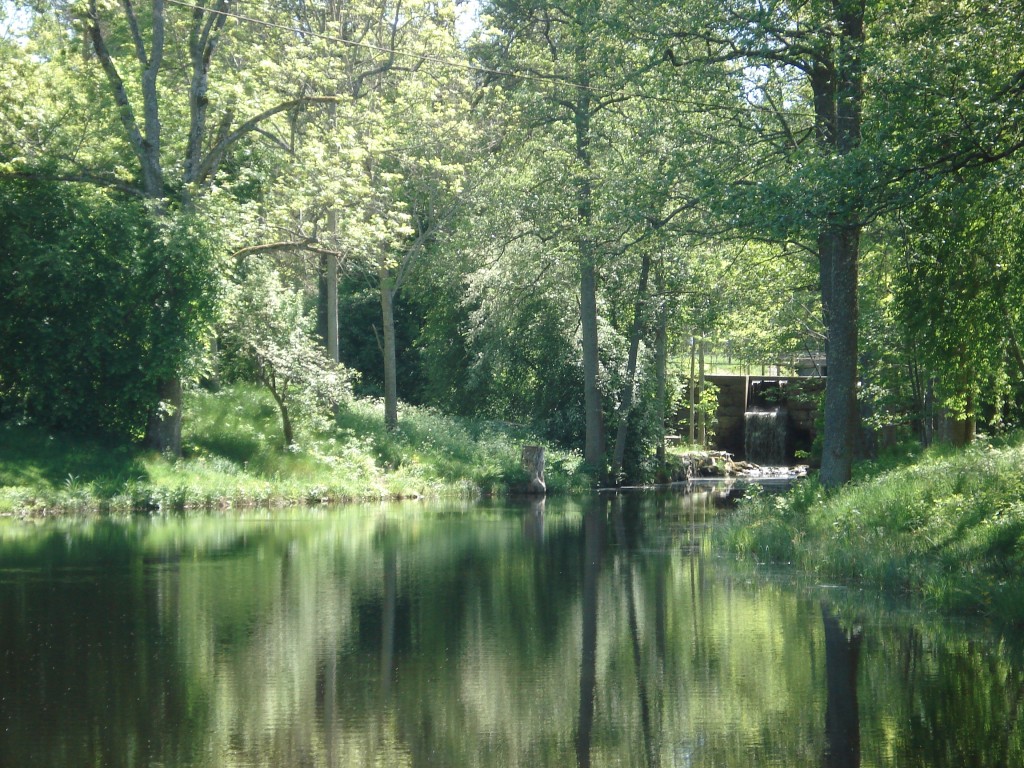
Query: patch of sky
(467, 18)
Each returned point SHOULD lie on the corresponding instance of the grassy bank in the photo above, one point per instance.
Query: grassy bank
(233, 456)
(946, 527)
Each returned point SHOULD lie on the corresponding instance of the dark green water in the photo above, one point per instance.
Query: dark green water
(600, 633)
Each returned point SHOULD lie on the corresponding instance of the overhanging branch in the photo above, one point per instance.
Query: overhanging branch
(213, 157)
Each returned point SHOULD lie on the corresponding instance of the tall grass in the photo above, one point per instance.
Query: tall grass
(947, 527)
(233, 456)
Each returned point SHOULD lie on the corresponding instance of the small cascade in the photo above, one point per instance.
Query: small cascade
(764, 437)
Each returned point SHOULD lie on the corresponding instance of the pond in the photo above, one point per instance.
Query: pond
(596, 632)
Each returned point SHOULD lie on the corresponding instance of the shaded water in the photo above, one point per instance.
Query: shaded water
(600, 633)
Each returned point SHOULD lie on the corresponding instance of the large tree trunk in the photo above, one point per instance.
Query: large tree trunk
(144, 139)
(838, 90)
(626, 398)
(841, 416)
(204, 148)
(661, 367)
(593, 450)
(163, 426)
(387, 311)
(593, 445)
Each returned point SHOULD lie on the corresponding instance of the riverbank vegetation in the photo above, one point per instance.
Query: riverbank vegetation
(233, 457)
(943, 525)
(546, 214)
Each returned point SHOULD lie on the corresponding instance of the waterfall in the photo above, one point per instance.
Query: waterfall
(764, 437)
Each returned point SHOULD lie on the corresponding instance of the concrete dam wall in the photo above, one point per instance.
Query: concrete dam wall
(768, 417)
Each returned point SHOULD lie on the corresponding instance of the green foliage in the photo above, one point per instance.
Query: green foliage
(442, 349)
(67, 471)
(890, 373)
(101, 301)
(359, 340)
(483, 454)
(521, 346)
(947, 527)
(640, 461)
(268, 336)
(480, 206)
(958, 290)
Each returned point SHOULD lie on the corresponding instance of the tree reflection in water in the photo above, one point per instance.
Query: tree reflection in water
(593, 546)
(842, 718)
(603, 632)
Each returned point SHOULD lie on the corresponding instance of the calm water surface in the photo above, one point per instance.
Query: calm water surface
(599, 632)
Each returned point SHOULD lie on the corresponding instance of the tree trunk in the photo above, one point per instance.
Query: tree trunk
(593, 445)
(661, 373)
(838, 92)
(593, 451)
(693, 389)
(333, 350)
(928, 413)
(532, 461)
(959, 429)
(286, 424)
(702, 418)
(321, 300)
(626, 398)
(280, 395)
(163, 429)
(841, 418)
(390, 359)
(163, 426)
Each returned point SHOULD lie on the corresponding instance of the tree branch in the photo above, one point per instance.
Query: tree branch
(213, 157)
(133, 25)
(84, 177)
(202, 41)
(385, 66)
(308, 245)
(124, 106)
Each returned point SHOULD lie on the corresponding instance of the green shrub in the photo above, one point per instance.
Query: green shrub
(946, 526)
(101, 301)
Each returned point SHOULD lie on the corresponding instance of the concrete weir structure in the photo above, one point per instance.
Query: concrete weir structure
(792, 401)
